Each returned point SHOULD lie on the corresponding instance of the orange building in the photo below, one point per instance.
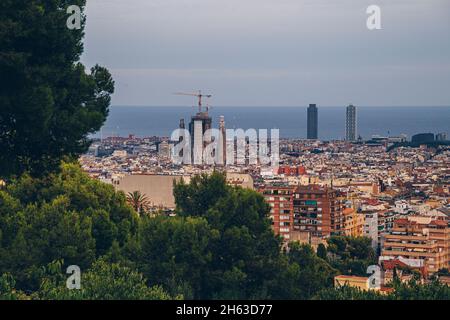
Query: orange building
(280, 201)
(292, 170)
(420, 237)
(317, 210)
(353, 223)
(305, 209)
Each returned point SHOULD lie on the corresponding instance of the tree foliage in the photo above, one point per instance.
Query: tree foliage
(138, 201)
(48, 103)
(103, 281)
(350, 255)
(244, 251)
(400, 291)
(64, 216)
(227, 252)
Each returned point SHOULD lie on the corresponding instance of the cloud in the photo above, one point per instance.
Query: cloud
(265, 46)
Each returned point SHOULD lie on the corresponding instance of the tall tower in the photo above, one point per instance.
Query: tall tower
(197, 127)
(223, 143)
(182, 136)
(313, 122)
(350, 123)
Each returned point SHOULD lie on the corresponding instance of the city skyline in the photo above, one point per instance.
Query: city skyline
(224, 210)
(292, 122)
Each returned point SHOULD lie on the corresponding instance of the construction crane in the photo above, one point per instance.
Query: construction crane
(199, 95)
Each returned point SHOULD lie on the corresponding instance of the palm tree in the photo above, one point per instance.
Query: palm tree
(138, 201)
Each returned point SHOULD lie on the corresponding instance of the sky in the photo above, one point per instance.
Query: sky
(272, 52)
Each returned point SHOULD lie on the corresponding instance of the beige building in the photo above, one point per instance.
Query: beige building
(353, 223)
(159, 188)
(420, 237)
(352, 281)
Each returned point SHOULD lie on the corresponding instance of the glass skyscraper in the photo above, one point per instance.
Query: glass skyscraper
(350, 123)
(313, 122)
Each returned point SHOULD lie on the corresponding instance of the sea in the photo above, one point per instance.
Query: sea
(291, 121)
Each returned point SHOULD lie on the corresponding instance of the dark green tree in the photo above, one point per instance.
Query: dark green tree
(174, 252)
(103, 281)
(350, 293)
(245, 253)
(314, 274)
(48, 103)
(401, 291)
(7, 290)
(351, 255)
(322, 251)
(65, 216)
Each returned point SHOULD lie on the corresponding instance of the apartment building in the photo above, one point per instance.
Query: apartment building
(306, 209)
(423, 238)
(280, 200)
(318, 210)
(371, 228)
(353, 223)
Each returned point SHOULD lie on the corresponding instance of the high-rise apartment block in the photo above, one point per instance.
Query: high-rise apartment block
(312, 122)
(309, 209)
(424, 239)
(350, 123)
(280, 201)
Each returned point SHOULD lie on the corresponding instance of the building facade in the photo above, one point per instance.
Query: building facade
(199, 124)
(350, 123)
(280, 200)
(312, 122)
(421, 238)
(317, 210)
(353, 223)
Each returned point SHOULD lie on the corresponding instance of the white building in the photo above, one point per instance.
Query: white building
(371, 227)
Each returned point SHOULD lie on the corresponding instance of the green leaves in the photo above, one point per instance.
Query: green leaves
(351, 255)
(65, 216)
(175, 252)
(225, 250)
(245, 252)
(49, 104)
(103, 281)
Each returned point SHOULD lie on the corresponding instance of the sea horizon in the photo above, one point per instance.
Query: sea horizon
(144, 121)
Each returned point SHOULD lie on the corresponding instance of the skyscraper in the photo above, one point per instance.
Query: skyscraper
(350, 123)
(197, 127)
(182, 136)
(313, 123)
(223, 143)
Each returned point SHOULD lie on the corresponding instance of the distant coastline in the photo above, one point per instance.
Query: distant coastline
(161, 121)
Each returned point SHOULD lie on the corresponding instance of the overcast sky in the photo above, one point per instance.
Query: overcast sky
(272, 52)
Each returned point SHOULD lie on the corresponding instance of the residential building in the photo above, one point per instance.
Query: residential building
(317, 210)
(350, 123)
(419, 237)
(312, 122)
(280, 201)
(353, 223)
